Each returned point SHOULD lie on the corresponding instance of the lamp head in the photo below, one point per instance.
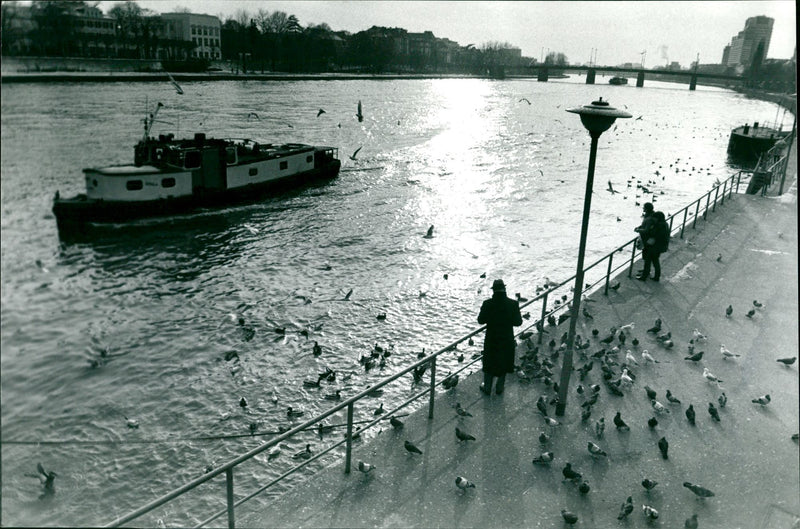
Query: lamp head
(599, 116)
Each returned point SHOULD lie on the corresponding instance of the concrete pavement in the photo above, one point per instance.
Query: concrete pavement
(748, 459)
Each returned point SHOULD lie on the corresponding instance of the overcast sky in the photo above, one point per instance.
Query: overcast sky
(620, 31)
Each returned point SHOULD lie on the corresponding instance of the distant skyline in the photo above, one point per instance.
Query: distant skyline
(619, 31)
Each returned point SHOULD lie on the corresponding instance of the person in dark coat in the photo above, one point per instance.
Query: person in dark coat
(656, 242)
(644, 227)
(500, 314)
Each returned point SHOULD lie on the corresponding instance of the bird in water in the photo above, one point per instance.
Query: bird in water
(291, 412)
(334, 396)
(378, 410)
(46, 478)
(700, 492)
(543, 459)
(464, 483)
(303, 454)
(359, 114)
(429, 234)
(131, 423)
(243, 402)
(317, 349)
(626, 508)
(611, 188)
(273, 453)
(663, 446)
(412, 448)
(355, 153)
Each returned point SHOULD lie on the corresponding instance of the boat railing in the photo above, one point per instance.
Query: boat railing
(596, 278)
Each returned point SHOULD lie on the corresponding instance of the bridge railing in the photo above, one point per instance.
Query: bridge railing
(596, 278)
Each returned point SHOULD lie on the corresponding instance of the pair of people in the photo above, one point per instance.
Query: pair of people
(654, 233)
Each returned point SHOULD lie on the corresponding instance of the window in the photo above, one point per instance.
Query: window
(205, 30)
(134, 185)
(253, 171)
(194, 30)
(309, 158)
(205, 42)
(230, 155)
(168, 182)
(284, 165)
(192, 160)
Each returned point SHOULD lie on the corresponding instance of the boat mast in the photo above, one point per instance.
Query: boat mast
(148, 123)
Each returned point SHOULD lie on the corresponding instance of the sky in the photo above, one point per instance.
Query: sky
(616, 32)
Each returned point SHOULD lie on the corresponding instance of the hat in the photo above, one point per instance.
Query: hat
(648, 206)
(499, 285)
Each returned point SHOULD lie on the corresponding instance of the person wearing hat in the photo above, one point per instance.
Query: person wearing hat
(643, 229)
(500, 314)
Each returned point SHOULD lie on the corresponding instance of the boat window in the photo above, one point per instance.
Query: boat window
(230, 155)
(134, 185)
(284, 165)
(309, 158)
(168, 182)
(253, 171)
(192, 159)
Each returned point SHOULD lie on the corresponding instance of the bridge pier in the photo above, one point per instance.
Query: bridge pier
(542, 77)
(640, 79)
(693, 82)
(590, 73)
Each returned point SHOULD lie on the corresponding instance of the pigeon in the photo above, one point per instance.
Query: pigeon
(660, 408)
(729, 311)
(671, 398)
(695, 357)
(649, 484)
(690, 414)
(569, 473)
(756, 304)
(787, 361)
(586, 414)
(366, 468)
(463, 436)
(726, 353)
(751, 313)
(464, 483)
(619, 423)
(664, 337)
(710, 376)
(450, 382)
(650, 512)
(608, 339)
(663, 446)
(652, 422)
(599, 426)
(698, 336)
(700, 492)
(615, 286)
(690, 523)
(550, 421)
(541, 406)
(543, 459)
(713, 412)
(651, 394)
(626, 508)
(411, 448)
(570, 518)
(595, 450)
(544, 438)
(655, 328)
(719, 258)
(584, 488)
(722, 399)
(763, 400)
(461, 411)
(628, 328)
(396, 423)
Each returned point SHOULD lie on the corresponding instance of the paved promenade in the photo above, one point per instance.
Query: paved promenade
(748, 459)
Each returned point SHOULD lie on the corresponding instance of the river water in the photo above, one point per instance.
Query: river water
(500, 179)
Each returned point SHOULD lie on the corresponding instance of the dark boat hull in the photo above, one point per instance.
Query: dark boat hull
(72, 213)
(747, 144)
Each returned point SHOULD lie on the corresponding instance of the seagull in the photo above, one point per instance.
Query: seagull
(355, 153)
(252, 115)
(347, 296)
(320, 112)
(700, 492)
(637, 119)
(47, 478)
(763, 400)
(710, 376)
(647, 357)
(725, 353)
(131, 423)
(545, 458)
(359, 115)
(525, 99)
(611, 188)
(464, 483)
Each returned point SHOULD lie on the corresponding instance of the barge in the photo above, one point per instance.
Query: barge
(749, 143)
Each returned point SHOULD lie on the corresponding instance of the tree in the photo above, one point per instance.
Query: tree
(556, 59)
(55, 26)
(135, 29)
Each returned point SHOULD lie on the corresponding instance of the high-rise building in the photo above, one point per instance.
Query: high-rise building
(743, 46)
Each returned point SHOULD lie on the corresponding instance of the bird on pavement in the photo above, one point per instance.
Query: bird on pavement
(690, 523)
(663, 446)
(710, 376)
(660, 408)
(787, 361)
(545, 458)
(756, 304)
(626, 508)
(763, 400)
(584, 488)
(700, 492)
(649, 484)
(655, 328)
(650, 512)
(751, 313)
(550, 421)
(726, 353)
(366, 468)
(651, 394)
(652, 422)
(569, 518)
(464, 483)
(569, 473)
(595, 450)
(722, 399)
(729, 311)
(713, 412)
(411, 448)
(647, 357)
(599, 426)
(541, 405)
(695, 357)
(543, 438)
(671, 398)
(619, 423)
(396, 423)
(463, 436)
(690, 415)
(630, 358)
(461, 411)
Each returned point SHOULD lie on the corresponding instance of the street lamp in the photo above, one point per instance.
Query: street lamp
(597, 118)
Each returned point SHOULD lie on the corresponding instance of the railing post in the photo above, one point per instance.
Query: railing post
(544, 313)
(433, 388)
(229, 482)
(730, 191)
(738, 180)
(683, 224)
(633, 256)
(708, 200)
(724, 189)
(349, 445)
(608, 272)
(696, 211)
(670, 224)
(716, 194)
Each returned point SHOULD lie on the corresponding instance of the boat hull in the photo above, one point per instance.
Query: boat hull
(72, 213)
(747, 144)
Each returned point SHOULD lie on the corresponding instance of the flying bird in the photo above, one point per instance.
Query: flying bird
(695, 357)
(611, 188)
(320, 112)
(355, 153)
(690, 523)
(525, 99)
(177, 87)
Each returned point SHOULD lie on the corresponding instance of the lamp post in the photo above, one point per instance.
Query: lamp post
(597, 118)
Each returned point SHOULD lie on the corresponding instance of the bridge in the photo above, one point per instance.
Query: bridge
(543, 73)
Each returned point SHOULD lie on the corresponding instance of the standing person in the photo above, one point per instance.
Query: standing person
(500, 314)
(656, 243)
(647, 222)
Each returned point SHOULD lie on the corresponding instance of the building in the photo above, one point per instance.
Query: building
(204, 31)
(743, 46)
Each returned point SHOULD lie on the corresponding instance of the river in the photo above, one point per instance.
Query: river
(501, 181)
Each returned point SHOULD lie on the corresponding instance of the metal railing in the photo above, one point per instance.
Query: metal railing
(548, 313)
